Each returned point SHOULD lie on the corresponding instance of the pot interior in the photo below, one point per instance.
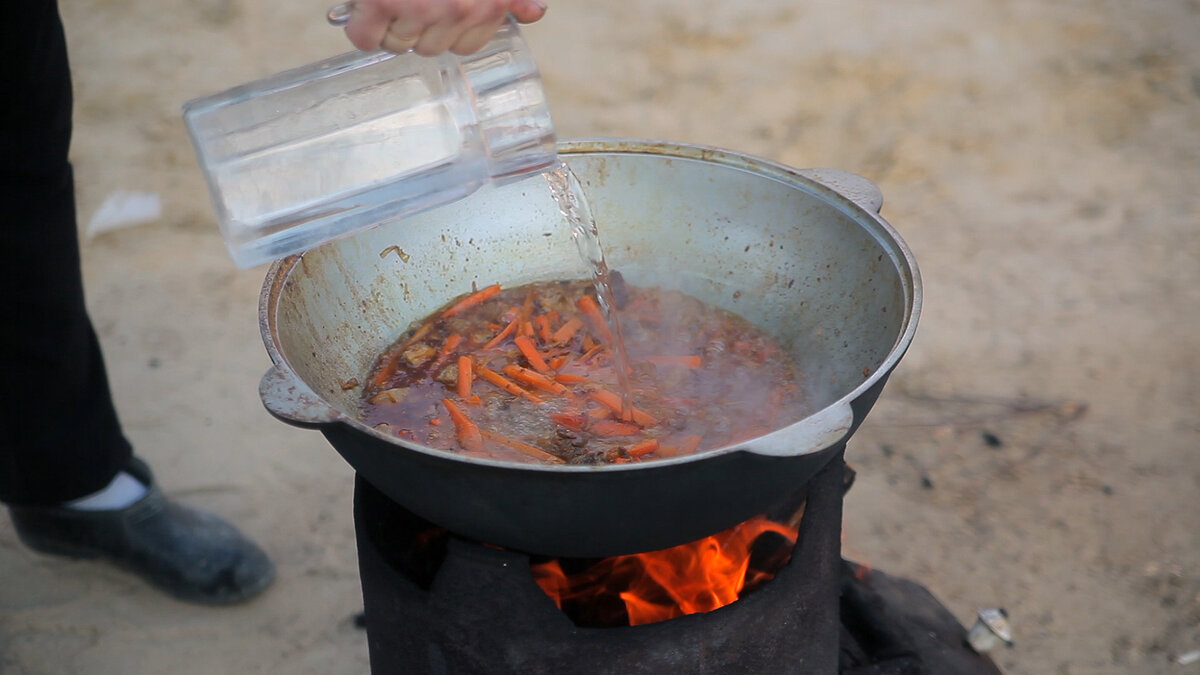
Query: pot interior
(826, 277)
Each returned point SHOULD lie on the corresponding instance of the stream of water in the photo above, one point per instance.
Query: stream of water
(572, 202)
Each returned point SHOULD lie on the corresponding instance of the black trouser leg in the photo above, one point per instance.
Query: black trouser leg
(59, 434)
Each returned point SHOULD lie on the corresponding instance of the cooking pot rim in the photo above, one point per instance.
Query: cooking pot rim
(910, 280)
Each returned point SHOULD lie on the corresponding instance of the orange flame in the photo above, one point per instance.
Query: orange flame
(690, 578)
(860, 570)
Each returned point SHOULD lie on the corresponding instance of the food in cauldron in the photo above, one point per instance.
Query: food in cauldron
(528, 374)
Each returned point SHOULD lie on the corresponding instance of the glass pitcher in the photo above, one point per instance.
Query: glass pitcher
(334, 147)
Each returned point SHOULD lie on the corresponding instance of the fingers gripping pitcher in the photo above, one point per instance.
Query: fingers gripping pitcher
(334, 147)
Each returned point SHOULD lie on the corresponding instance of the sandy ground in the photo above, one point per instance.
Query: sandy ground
(1036, 450)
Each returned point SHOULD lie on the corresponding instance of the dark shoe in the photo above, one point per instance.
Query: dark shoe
(189, 553)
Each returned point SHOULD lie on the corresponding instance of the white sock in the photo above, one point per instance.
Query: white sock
(121, 492)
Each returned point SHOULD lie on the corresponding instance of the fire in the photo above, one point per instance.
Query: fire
(861, 570)
(687, 579)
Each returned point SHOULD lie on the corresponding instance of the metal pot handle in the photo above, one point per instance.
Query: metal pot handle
(289, 399)
(849, 185)
(822, 430)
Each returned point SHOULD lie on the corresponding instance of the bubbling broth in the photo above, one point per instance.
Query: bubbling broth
(528, 374)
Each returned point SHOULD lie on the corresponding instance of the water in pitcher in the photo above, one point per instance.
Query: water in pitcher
(572, 203)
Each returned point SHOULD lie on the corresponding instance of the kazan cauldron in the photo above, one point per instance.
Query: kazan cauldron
(803, 254)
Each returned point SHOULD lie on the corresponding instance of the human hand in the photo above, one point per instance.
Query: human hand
(430, 27)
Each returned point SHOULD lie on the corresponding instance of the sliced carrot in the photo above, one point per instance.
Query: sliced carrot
(613, 428)
(613, 402)
(467, 432)
(667, 451)
(523, 448)
(534, 379)
(386, 370)
(504, 383)
(452, 342)
(465, 376)
(541, 322)
(643, 447)
(513, 312)
(508, 330)
(574, 421)
(527, 306)
(567, 331)
(557, 362)
(595, 315)
(529, 350)
(569, 378)
(593, 351)
(681, 361)
(689, 444)
(477, 298)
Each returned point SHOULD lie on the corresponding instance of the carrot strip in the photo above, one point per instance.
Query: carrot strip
(643, 447)
(451, 343)
(508, 330)
(599, 413)
(613, 402)
(558, 362)
(689, 444)
(568, 378)
(386, 371)
(534, 379)
(446, 350)
(513, 312)
(592, 309)
(465, 376)
(542, 323)
(570, 420)
(596, 349)
(504, 383)
(682, 361)
(525, 344)
(466, 431)
(613, 428)
(477, 298)
(567, 331)
(523, 448)
(667, 451)
(527, 306)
